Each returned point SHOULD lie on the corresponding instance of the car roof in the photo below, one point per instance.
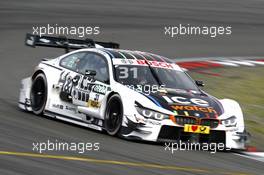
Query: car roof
(129, 54)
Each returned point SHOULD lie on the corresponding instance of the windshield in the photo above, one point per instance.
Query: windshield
(153, 75)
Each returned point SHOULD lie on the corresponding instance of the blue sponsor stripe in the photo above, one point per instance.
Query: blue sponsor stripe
(153, 100)
(108, 52)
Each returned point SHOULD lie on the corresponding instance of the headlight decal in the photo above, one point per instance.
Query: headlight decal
(230, 122)
(150, 114)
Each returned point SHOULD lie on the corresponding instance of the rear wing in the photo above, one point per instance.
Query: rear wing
(66, 43)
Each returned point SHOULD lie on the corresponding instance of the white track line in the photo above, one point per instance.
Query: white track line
(245, 63)
(224, 63)
(257, 62)
(259, 156)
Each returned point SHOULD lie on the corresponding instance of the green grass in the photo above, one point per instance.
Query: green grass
(245, 85)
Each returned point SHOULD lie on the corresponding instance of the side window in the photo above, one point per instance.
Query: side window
(92, 61)
(71, 61)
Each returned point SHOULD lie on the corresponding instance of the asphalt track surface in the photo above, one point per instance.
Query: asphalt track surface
(134, 24)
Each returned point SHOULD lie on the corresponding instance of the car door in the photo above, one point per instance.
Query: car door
(88, 90)
(68, 75)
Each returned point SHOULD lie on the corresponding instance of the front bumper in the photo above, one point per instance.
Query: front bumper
(175, 134)
(167, 131)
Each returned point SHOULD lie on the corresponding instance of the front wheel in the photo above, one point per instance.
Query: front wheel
(38, 94)
(114, 115)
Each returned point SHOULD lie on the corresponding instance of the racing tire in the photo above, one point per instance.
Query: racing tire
(38, 94)
(114, 115)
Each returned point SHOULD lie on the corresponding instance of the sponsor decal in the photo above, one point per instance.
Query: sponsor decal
(86, 83)
(58, 106)
(181, 91)
(197, 129)
(100, 89)
(126, 61)
(186, 101)
(80, 95)
(94, 104)
(152, 122)
(157, 64)
(79, 88)
(193, 108)
(70, 108)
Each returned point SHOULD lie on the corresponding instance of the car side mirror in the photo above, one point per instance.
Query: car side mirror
(90, 73)
(199, 83)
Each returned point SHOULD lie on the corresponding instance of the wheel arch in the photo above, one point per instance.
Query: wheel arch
(111, 94)
(36, 73)
(103, 110)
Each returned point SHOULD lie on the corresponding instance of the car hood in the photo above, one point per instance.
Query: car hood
(188, 103)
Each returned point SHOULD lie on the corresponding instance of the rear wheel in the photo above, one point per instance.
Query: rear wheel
(114, 115)
(38, 94)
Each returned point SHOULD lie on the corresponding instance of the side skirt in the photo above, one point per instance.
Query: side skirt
(71, 120)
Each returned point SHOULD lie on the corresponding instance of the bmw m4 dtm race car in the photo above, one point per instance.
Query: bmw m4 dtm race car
(132, 94)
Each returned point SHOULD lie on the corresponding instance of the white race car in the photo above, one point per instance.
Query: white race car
(133, 94)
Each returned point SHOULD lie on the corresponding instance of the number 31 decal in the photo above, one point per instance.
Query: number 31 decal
(124, 72)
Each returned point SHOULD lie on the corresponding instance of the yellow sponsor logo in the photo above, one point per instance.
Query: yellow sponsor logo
(193, 108)
(94, 104)
(197, 129)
